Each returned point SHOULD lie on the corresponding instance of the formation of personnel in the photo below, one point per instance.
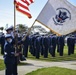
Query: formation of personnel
(16, 50)
(44, 44)
(38, 44)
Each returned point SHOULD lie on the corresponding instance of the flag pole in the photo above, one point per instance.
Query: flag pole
(15, 36)
(14, 16)
(29, 30)
(31, 27)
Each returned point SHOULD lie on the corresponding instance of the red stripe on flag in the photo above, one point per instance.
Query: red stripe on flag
(24, 12)
(31, 1)
(22, 6)
(25, 1)
(25, 7)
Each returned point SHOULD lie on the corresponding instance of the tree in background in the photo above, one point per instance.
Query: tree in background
(1, 28)
(22, 28)
(36, 28)
(39, 29)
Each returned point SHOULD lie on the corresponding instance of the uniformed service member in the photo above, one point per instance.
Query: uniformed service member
(45, 45)
(9, 30)
(52, 45)
(54, 42)
(2, 42)
(37, 46)
(9, 56)
(71, 45)
(25, 46)
(41, 45)
(61, 45)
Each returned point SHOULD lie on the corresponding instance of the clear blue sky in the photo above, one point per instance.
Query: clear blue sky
(7, 16)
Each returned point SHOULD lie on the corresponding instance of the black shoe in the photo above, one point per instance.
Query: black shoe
(23, 58)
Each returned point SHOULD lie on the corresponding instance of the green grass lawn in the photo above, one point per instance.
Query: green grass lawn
(65, 56)
(53, 71)
(2, 66)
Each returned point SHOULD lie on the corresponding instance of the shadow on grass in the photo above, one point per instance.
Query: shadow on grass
(58, 58)
(25, 64)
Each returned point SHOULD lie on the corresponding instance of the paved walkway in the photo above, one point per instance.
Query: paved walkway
(34, 65)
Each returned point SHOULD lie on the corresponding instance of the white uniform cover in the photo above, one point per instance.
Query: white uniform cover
(59, 16)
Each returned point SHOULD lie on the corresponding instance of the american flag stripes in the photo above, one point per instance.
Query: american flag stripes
(22, 6)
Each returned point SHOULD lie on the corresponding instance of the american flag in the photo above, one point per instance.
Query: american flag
(22, 6)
